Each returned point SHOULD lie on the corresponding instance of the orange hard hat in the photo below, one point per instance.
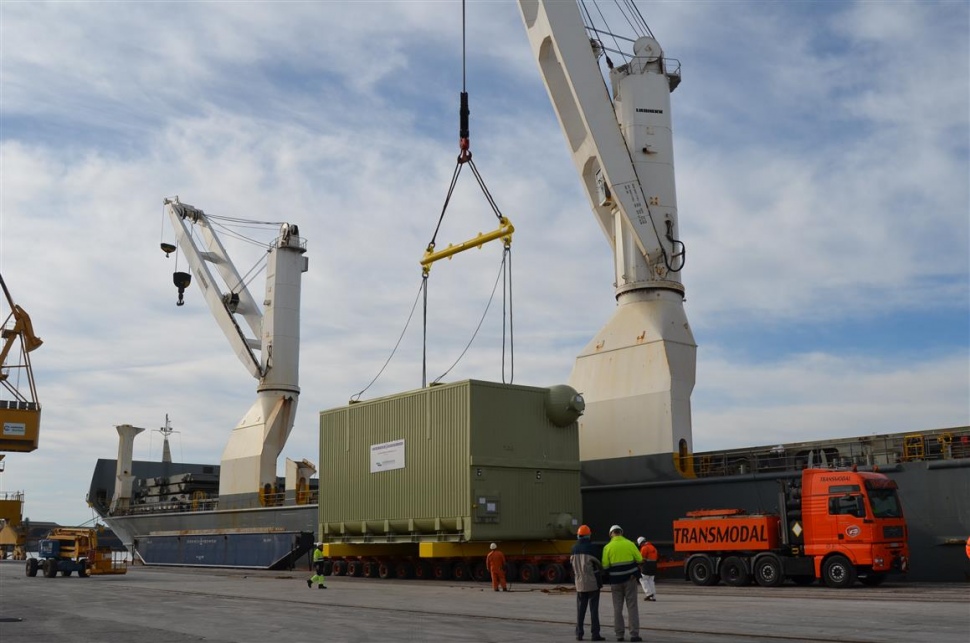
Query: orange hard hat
(583, 530)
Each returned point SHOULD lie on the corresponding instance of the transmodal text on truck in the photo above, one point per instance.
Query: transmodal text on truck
(839, 526)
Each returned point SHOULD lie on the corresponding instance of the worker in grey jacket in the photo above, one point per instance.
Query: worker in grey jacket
(587, 572)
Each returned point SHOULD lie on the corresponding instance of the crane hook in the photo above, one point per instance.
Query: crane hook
(181, 281)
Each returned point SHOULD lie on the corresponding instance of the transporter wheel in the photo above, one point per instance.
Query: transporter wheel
(529, 573)
(441, 570)
(32, 567)
(511, 572)
(328, 568)
(355, 567)
(423, 570)
(404, 570)
(461, 571)
(701, 571)
(734, 572)
(480, 573)
(370, 569)
(82, 571)
(554, 573)
(339, 567)
(385, 570)
(838, 572)
(872, 579)
(50, 568)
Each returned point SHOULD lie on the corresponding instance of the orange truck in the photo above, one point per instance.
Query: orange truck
(838, 526)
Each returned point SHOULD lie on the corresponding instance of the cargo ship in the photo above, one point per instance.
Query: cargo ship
(638, 465)
(184, 525)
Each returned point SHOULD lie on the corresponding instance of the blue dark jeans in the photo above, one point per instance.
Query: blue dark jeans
(591, 600)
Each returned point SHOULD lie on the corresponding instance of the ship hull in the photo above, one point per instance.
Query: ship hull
(643, 494)
(263, 538)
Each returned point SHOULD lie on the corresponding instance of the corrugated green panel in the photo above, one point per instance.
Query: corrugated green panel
(460, 441)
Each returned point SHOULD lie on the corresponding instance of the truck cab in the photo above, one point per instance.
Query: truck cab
(852, 525)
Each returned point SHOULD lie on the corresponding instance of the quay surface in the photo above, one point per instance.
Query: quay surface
(178, 605)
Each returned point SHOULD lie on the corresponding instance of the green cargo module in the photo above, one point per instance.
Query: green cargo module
(461, 462)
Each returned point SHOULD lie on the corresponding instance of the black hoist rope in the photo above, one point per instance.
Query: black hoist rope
(465, 156)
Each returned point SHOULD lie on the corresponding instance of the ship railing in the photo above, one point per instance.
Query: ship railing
(209, 504)
(869, 451)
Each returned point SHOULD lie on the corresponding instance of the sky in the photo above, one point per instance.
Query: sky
(821, 153)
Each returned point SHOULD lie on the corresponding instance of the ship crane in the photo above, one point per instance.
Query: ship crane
(270, 350)
(637, 373)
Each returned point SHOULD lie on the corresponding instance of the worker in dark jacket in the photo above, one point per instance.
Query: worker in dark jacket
(587, 571)
(318, 564)
(621, 560)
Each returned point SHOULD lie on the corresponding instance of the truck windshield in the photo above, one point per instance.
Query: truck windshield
(885, 503)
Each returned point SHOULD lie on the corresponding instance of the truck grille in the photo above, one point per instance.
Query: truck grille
(892, 532)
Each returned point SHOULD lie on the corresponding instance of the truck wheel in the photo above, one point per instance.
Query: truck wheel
(67, 572)
(83, 569)
(872, 579)
(768, 572)
(701, 571)
(32, 567)
(734, 572)
(838, 572)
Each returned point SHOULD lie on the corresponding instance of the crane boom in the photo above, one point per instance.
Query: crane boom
(637, 374)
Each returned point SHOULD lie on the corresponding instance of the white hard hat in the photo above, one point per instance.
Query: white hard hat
(493, 546)
(616, 528)
(641, 540)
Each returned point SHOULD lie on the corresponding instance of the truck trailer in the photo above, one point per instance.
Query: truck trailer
(838, 526)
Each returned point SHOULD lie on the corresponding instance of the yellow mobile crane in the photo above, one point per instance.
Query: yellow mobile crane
(19, 408)
(19, 413)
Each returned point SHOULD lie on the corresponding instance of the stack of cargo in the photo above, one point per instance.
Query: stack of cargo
(180, 489)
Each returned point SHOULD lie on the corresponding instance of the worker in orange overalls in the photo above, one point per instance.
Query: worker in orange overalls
(648, 569)
(495, 561)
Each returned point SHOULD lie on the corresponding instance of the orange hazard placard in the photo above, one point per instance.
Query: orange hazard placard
(741, 533)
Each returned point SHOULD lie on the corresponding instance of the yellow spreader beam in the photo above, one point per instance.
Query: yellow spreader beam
(504, 232)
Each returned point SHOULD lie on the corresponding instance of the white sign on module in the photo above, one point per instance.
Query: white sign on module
(387, 456)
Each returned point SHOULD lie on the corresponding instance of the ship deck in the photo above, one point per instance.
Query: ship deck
(181, 605)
